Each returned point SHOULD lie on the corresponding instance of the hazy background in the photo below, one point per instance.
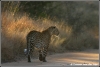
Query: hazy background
(77, 21)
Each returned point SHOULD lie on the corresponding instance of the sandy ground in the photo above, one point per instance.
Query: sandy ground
(87, 57)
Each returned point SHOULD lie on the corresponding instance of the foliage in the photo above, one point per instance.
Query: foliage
(76, 14)
(77, 21)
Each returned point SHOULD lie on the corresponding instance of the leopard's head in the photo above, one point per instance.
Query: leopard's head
(53, 30)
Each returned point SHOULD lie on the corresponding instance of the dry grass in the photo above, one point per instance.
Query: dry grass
(15, 28)
(14, 31)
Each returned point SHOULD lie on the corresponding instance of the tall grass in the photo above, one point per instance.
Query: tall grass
(15, 28)
(14, 31)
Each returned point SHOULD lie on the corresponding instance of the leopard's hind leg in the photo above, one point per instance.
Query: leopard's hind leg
(40, 55)
(28, 50)
(44, 54)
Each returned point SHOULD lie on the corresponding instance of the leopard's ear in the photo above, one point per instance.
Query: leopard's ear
(55, 25)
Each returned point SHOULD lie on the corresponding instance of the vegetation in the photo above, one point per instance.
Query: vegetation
(78, 23)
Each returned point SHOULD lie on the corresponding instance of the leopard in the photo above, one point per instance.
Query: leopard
(41, 41)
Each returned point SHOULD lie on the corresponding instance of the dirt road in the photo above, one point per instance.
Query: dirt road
(87, 57)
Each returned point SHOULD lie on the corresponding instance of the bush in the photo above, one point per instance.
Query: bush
(15, 29)
(77, 32)
(80, 42)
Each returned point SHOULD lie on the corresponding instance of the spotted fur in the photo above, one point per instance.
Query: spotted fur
(41, 41)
